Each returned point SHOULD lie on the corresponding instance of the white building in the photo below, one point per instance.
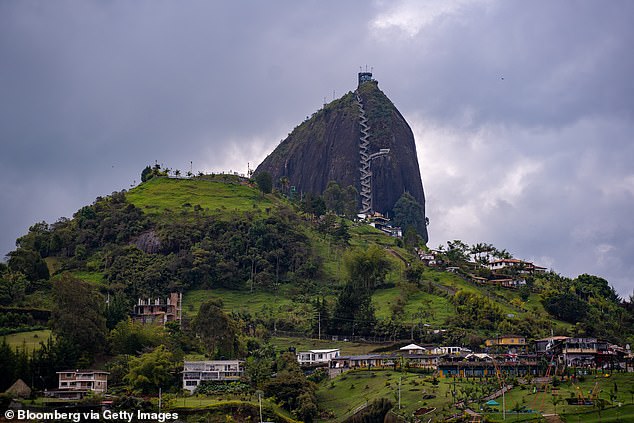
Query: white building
(317, 356)
(449, 350)
(195, 372)
(413, 349)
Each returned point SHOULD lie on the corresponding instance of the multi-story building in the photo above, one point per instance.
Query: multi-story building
(316, 357)
(77, 383)
(519, 265)
(158, 310)
(510, 343)
(196, 372)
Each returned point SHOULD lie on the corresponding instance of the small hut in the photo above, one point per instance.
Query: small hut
(19, 389)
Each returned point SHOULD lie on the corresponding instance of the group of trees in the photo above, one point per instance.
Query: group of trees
(590, 303)
(366, 270)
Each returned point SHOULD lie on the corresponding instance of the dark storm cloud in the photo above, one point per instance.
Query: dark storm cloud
(523, 111)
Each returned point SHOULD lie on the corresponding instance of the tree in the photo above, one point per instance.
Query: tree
(77, 314)
(334, 198)
(264, 182)
(130, 337)
(367, 269)
(13, 286)
(258, 370)
(216, 329)
(565, 305)
(292, 389)
(146, 174)
(29, 263)
(285, 184)
(350, 207)
(408, 211)
(153, 370)
(354, 313)
(411, 237)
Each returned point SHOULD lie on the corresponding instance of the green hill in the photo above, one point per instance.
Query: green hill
(220, 194)
(260, 274)
(218, 236)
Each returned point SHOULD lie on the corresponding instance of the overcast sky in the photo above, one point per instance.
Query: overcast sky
(523, 112)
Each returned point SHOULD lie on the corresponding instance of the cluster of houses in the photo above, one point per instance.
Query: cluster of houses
(505, 273)
(509, 355)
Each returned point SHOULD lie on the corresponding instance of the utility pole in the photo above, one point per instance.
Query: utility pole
(399, 392)
(260, 401)
(319, 325)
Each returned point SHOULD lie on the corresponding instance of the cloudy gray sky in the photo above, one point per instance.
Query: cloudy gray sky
(523, 112)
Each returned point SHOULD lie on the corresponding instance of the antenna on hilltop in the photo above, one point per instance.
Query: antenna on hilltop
(333, 95)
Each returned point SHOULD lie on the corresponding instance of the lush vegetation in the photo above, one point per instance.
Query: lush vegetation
(254, 264)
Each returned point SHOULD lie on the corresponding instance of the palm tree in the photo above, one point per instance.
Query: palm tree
(285, 182)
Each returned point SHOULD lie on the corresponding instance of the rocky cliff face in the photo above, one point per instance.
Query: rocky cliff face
(326, 148)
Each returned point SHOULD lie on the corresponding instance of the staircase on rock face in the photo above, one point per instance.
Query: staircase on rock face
(364, 160)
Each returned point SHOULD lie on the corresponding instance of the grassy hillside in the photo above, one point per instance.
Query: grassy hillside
(186, 212)
(30, 341)
(350, 391)
(220, 195)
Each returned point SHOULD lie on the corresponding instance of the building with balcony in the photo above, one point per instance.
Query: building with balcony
(158, 310)
(75, 384)
(197, 372)
(316, 357)
(509, 343)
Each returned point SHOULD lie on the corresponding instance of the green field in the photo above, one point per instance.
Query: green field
(251, 302)
(160, 194)
(349, 391)
(29, 340)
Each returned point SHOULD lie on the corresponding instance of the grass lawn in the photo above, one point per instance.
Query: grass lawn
(544, 401)
(435, 309)
(160, 194)
(234, 300)
(30, 340)
(93, 278)
(615, 414)
(347, 393)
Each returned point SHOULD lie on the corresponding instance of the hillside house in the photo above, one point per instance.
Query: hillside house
(412, 349)
(483, 365)
(196, 372)
(317, 357)
(158, 310)
(362, 361)
(449, 350)
(523, 267)
(75, 384)
(576, 352)
(510, 343)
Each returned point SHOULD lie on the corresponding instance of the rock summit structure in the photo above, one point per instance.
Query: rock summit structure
(360, 139)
